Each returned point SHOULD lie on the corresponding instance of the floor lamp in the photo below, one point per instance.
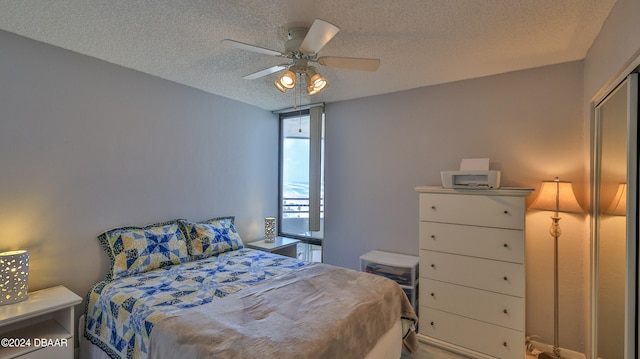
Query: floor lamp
(558, 197)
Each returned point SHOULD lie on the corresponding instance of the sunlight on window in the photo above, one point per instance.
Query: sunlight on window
(295, 179)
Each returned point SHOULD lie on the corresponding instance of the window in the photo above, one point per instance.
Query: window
(301, 202)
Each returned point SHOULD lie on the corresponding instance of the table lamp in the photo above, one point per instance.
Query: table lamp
(14, 275)
(269, 229)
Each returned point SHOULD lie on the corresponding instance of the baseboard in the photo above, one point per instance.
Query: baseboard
(565, 353)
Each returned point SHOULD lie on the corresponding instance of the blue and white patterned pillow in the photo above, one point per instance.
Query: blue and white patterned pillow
(134, 250)
(211, 237)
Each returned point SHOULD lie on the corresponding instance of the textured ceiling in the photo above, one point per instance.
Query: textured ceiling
(419, 42)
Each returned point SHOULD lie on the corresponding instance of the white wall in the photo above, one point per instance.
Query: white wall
(87, 146)
(529, 123)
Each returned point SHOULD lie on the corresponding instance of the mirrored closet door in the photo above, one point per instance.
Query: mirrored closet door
(614, 213)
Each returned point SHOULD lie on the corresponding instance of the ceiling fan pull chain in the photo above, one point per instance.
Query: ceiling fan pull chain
(295, 99)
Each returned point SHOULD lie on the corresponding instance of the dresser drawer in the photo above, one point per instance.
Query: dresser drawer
(483, 337)
(499, 309)
(478, 210)
(496, 276)
(493, 243)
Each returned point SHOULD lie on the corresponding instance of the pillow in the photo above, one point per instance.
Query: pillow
(134, 250)
(211, 237)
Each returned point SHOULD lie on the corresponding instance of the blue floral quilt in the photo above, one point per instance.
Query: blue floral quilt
(120, 314)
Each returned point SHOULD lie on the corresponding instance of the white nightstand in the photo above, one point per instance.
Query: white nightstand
(42, 326)
(283, 246)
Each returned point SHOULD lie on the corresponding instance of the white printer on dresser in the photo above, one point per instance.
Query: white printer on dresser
(472, 272)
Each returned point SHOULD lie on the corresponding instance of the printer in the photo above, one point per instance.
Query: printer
(478, 179)
(474, 173)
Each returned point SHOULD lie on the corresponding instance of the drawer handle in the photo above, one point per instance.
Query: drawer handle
(433, 236)
(433, 266)
(505, 278)
(504, 344)
(506, 212)
(432, 324)
(505, 311)
(433, 208)
(433, 294)
(505, 245)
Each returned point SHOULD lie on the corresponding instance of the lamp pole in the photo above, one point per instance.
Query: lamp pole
(555, 232)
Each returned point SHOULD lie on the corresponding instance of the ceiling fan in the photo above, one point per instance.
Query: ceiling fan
(302, 49)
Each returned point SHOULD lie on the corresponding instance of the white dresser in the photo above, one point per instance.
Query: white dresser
(472, 273)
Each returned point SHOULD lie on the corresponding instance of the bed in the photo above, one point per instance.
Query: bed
(181, 289)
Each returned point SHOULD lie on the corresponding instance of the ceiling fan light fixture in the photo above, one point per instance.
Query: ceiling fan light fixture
(279, 86)
(312, 91)
(288, 79)
(318, 82)
(315, 81)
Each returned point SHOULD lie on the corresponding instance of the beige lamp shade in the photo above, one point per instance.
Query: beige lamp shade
(618, 206)
(14, 276)
(557, 196)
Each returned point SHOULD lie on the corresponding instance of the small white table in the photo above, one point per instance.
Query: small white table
(282, 245)
(42, 326)
(404, 269)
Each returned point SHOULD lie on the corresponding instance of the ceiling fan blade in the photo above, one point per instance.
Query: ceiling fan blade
(351, 63)
(265, 72)
(319, 34)
(243, 46)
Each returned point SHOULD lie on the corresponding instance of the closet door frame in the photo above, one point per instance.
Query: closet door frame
(632, 300)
